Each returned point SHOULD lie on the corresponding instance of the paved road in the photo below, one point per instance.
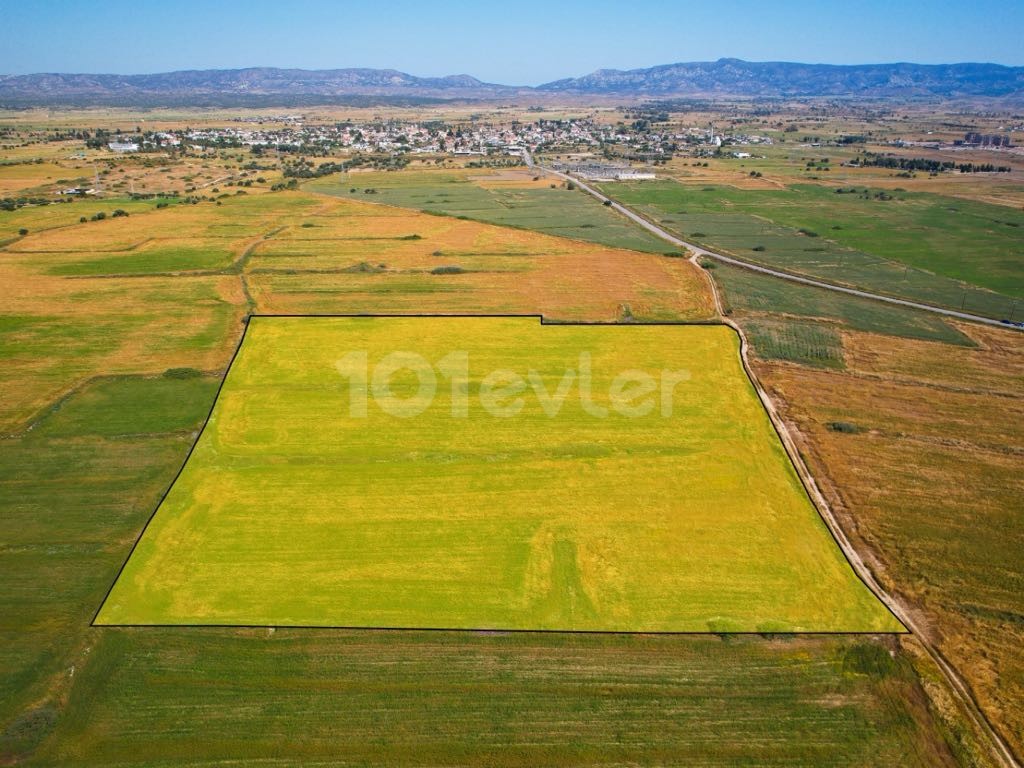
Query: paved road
(699, 251)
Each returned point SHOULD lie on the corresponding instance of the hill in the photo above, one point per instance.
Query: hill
(734, 77)
(257, 86)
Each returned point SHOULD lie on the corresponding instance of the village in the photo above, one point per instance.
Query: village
(293, 134)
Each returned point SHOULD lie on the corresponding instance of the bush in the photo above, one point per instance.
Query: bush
(411, 237)
(182, 373)
(83, 219)
(758, 248)
(807, 232)
(118, 213)
(22, 231)
(843, 426)
(365, 267)
(447, 270)
(308, 224)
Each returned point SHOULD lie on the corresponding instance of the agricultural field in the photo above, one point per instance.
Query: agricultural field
(888, 418)
(512, 198)
(652, 532)
(134, 295)
(937, 250)
(116, 335)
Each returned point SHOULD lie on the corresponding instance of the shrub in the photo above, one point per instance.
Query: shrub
(758, 248)
(843, 426)
(182, 373)
(447, 270)
(22, 231)
(364, 267)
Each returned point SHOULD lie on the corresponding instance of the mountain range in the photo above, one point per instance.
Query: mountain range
(725, 77)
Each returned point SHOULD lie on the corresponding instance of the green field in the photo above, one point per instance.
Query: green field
(293, 511)
(559, 211)
(929, 248)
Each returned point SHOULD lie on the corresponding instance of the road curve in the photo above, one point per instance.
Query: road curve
(700, 251)
(999, 747)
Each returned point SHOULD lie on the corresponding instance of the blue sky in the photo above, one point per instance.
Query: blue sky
(524, 42)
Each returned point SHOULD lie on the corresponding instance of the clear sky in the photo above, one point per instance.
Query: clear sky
(520, 42)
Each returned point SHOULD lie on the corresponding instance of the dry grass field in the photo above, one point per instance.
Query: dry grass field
(102, 291)
(929, 485)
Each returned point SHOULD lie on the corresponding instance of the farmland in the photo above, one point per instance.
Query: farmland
(116, 334)
(516, 198)
(920, 246)
(652, 534)
(102, 291)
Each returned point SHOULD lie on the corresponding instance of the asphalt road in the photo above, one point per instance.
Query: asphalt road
(699, 251)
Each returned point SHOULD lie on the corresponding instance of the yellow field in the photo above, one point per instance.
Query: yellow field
(664, 503)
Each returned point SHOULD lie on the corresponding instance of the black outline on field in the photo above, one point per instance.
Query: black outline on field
(499, 630)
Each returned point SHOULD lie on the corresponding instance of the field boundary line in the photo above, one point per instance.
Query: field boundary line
(870, 585)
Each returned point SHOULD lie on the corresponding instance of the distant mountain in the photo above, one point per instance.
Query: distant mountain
(725, 77)
(256, 85)
(734, 77)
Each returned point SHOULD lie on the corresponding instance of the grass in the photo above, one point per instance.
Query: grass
(130, 406)
(563, 212)
(170, 259)
(533, 522)
(796, 341)
(750, 292)
(925, 247)
(471, 699)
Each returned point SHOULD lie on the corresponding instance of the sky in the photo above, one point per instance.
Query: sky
(520, 42)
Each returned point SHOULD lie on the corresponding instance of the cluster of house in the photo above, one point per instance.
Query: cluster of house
(470, 138)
